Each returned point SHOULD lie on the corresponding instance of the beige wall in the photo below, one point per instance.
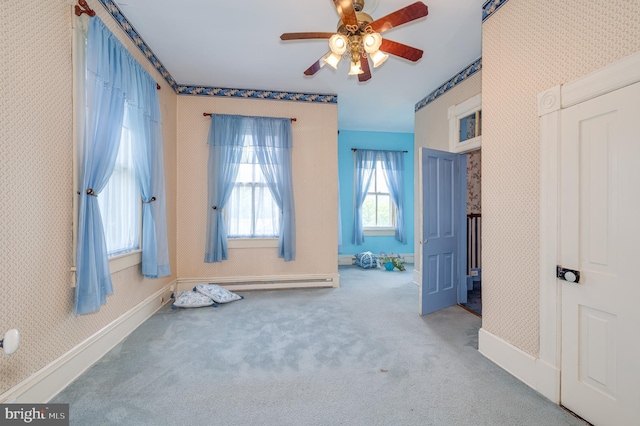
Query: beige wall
(527, 48)
(36, 189)
(315, 174)
(432, 131)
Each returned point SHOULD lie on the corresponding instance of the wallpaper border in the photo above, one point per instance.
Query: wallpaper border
(490, 7)
(122, 21)
(450, 84)
(255, 94)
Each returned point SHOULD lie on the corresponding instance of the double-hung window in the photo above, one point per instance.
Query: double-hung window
(120, 203)
(251, 211)
(378, 210)
(379, 195)
(250, 186)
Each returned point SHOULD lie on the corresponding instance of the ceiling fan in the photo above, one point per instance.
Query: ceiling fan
(358, 38)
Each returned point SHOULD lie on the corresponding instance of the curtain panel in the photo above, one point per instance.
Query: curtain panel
(115, 81)
(272, 141)
(365, 166)
(393, 166)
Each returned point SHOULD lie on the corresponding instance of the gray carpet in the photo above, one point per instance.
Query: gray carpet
(356, 355)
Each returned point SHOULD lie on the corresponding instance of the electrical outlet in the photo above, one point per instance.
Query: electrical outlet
(172, 287)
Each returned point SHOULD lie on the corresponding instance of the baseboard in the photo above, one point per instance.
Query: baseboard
(265, 282)
(532, 371)
(47, 382)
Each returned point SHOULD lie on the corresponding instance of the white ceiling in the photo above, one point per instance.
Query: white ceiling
(236, 44)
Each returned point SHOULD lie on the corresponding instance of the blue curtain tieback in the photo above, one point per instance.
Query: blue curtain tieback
(90, 192)
(151, 200)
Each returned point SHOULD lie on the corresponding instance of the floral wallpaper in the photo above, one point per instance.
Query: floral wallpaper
(474, 204)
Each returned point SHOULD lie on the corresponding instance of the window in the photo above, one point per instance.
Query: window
(120, 203)
(465, 125)
(251, 211)
(378, 210)
(250, 182)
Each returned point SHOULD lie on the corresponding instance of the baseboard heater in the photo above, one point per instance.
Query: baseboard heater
(267, 283)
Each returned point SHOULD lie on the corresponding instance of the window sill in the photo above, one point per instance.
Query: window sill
(244, 243)
(124, 261)
(379, 232)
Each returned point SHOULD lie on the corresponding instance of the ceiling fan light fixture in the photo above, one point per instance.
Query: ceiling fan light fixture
(356, 68)
(331, 59)
(378, 58)
(338, 44)
(372, 42)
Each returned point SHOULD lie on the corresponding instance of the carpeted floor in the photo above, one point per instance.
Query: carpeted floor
(474, 298)
(356, 355)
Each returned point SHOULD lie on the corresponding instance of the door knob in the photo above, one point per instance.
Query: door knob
(568, 275)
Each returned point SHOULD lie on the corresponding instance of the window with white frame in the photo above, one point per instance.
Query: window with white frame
(465, 125)
(251, 211)
(120, 203)
(378, 210)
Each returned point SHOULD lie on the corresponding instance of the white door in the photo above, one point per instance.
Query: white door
(600, 237)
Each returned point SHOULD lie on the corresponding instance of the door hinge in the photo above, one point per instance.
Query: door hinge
(569, 275)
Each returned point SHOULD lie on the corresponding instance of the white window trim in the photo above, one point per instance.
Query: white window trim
(249, 243)
(80, 28)
(381, 231)
(455, 113)
(124, 261)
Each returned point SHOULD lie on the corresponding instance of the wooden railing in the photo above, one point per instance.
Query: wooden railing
(474, 241)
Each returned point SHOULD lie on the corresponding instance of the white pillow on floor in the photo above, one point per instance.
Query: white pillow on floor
(191, 299)
(217, 293)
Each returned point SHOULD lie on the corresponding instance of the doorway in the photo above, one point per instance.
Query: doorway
(451, 240)
(474, 233)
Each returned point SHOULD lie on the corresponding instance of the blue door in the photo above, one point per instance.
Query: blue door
(443, 230)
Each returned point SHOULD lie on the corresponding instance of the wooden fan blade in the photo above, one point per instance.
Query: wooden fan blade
(346, 11)
(402, 50)
(410, 13)
(304, 36)
(315, 67)
(364, 64)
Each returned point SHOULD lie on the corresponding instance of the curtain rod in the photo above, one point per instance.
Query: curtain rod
(209, 114)
(355, 149)
(83, 7)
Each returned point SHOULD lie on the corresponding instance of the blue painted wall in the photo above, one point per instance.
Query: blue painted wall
(348, 139)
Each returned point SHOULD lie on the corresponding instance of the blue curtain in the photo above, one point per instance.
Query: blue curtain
(393, 166)
(115, 81)
(144, 120)
(226, 142)
(365, 166)
(272, 142)
(105, 100)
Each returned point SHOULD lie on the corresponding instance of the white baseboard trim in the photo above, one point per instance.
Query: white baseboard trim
(534, 372)
(417, 277)
(265, 282)
(47, 382)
